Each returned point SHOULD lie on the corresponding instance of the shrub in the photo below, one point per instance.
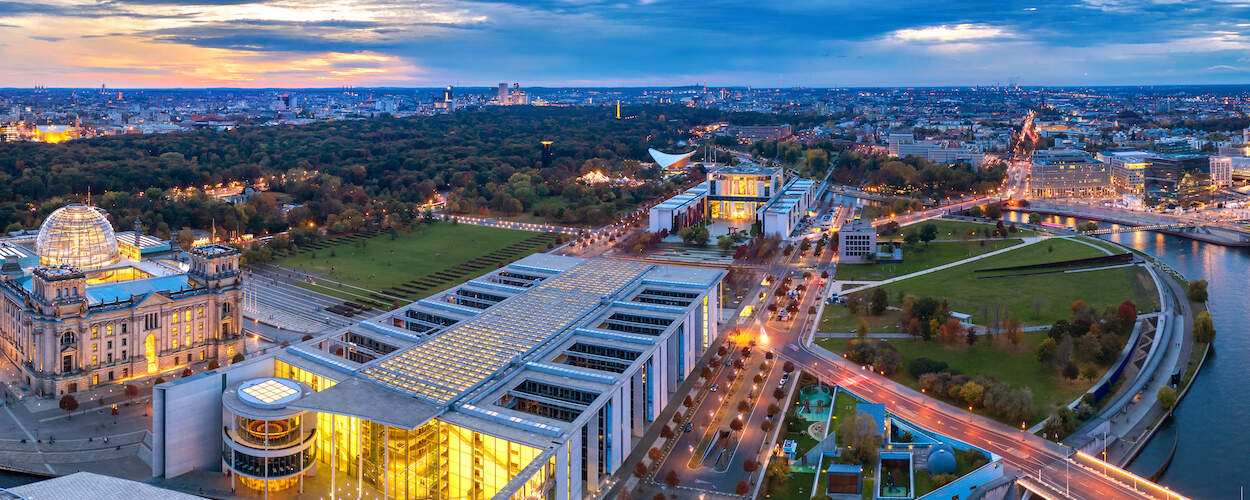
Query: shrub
(921, 366)
(654, 453)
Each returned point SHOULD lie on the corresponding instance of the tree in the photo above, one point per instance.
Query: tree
(787, 367)
(742, 487)
(640, 470)
(928, 232)
(862, 330)
(1090, 372)
(671, 479)
(131, 391)
(993, 211)
(750, 465)
(1047, 350)
(213, 364)
(1127, 312)
(879, 301)
(654, 453)
(972, 392)
(237, 358)
(767, 426)
(1204, 328)
(69, 404)
(666, 432)
(1166, 396)
(688, 402)
(860, 436)
(1197, 290)
(1036, 218)
(1070, 371)
(1077, 306)
(736, 424)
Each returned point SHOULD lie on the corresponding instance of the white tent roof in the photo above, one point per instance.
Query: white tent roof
(664, 160)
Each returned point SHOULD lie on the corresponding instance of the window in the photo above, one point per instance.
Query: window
(95, 332)
(187, 341)
(186, 316)
(201, 355)
(95, 360)
(67, 363)
(186, 329)
(95, 379)
(173, 318)
(95, 347)
(123, 332)
(199, 312)
(230, 351)
(108, 345)
(225, 308)
(173, 343)
(123, 357)
(67, 338)
(125, 371)
(123, 338)
(108, 357)
(110, 375)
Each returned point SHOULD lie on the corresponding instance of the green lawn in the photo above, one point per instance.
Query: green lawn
(413, 265)
(1016, 366)
(797, 487)
(843, 408)
(838, 319)
(1036, 300)
(920, 256)
(963, 230)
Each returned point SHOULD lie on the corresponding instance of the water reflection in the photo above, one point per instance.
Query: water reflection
(1211, 458)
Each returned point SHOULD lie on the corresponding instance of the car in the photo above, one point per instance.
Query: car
(793, 348)
(713, 388)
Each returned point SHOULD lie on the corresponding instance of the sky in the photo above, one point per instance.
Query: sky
(762, 43)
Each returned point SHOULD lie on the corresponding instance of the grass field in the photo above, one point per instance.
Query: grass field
(963, 230)
(837, 318)
(921, 256)
(1016, 366)
(1053, 293)
(412, 265)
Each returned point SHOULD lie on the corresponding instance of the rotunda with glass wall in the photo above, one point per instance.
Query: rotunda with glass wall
(265, 445)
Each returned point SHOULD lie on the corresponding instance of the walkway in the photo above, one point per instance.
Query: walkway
(1029, 240)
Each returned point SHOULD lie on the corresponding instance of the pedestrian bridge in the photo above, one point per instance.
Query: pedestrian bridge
(1120, 228)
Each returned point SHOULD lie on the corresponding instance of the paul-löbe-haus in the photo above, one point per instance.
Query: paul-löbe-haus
(532, 381)
(84, 307)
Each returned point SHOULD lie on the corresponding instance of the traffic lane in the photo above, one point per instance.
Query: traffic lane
(1032, 454)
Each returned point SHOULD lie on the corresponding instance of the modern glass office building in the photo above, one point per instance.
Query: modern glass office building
(532, 381)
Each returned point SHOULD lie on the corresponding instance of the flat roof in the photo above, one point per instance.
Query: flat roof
(92, 485)
(446, 366)
(121, 290)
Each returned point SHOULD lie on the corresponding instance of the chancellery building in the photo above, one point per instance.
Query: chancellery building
(79, 309)
(533, 381)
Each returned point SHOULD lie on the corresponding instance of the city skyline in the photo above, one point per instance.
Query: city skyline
(290, 44)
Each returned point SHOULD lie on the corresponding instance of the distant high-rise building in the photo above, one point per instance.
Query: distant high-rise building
(547, 156)
(502, 95)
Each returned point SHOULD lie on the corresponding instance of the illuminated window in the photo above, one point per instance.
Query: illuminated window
(173, 318)
(186, 316)
(173, 343)
(95, 332)
(230, 351)
(94, 360)
(95, 379)
(187, 341)
(201, 355)
(186, 329)
(95, 347)
(108, 330)
(199, 312)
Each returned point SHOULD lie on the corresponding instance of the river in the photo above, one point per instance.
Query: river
(1211, 459)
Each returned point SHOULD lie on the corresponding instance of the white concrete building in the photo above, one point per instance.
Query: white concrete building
(535, 380)
(857, 241)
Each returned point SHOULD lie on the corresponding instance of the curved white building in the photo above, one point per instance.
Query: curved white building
(668, 161)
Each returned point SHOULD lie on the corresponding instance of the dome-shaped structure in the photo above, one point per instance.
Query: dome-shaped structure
(79, 236)
(942, 459)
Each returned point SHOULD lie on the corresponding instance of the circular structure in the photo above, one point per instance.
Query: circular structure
(267, 445)
(942, 459)
(79, 236)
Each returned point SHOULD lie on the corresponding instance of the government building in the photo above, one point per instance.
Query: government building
(77, 313)
(733, 198)
(533, 381)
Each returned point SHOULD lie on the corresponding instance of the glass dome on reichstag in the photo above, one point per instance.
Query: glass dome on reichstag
(77, 235)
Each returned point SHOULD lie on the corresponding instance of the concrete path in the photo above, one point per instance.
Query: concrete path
(1027, 241)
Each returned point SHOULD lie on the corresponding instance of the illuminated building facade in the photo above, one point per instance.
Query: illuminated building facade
(70, 328)
(532, 381)
(740, 195)
(1129, 170)
(1068, 173)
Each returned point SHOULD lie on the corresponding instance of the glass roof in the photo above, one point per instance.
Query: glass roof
(79, 236)
(449, 364)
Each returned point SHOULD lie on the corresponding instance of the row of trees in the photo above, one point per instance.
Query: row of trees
(982, 392)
